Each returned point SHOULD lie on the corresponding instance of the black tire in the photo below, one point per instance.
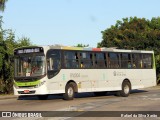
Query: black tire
(69, 92)
(99, 93)
(126, 88)
(42, 97)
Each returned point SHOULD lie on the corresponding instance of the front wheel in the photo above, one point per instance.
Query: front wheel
(126, 88)
(69, 92)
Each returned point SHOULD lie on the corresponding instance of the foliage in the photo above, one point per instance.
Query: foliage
(24, 41)
(81, 45)
(7, 45)
(134, 33)
(2, 4)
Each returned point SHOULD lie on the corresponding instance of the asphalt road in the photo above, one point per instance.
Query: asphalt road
(147, 100)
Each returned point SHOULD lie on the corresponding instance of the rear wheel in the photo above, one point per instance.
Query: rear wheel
(126, 88)
(69, 92)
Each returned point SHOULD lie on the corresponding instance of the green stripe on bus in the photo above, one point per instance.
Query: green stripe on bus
(27, 83)
(154, 63)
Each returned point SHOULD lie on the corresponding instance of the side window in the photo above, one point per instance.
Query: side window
(137, 61)
(147, 61)
(53, 63)
(71, 59)
(113, 60)
(76, 59)
(53, 60)
(126, 61)
(86, 60)
(100, 59)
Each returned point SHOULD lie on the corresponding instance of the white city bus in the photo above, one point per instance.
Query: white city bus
(45, 70)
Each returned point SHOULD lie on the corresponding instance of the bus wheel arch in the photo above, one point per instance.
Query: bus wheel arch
(74, 84)
(70, 90)
(126, 88)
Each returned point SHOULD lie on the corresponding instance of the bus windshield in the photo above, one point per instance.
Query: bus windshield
(30, 65)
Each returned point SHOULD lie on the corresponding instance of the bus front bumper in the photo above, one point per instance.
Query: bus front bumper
(30, 91)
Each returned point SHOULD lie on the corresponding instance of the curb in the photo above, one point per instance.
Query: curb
(7, 97)
(19, 97)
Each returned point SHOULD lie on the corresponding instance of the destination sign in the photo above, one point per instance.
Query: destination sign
(29, 50)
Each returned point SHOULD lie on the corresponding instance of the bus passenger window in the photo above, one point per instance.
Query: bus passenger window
(126, 60)
(129, 65)
(147, 61)
(141, 64)
(53, 63)
(113, 60)
(134, 65)
(50, 64)
(82, 65)
(137, 61)
(86, 60)
(71, 59)
(100, 60)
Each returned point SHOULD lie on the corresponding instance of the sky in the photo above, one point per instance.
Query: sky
(71, 22)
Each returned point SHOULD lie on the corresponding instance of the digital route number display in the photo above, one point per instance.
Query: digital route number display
(28, 50)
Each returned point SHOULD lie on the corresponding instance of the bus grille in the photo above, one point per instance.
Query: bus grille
(30, 92)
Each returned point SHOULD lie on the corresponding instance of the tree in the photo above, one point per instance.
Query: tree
(2, 5)
(81, 45)
(134, 33)
(7, 46)
(24, 41)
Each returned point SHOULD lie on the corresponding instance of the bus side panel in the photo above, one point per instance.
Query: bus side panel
(141, 78)
(149, 78)
(92, 80)
(87, 80)
(135, 76)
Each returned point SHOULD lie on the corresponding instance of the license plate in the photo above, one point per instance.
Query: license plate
(26, 91)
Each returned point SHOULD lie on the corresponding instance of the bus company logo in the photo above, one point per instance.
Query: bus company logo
(117, 73)
(6, 114)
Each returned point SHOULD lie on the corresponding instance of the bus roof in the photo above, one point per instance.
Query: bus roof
(111, 49)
